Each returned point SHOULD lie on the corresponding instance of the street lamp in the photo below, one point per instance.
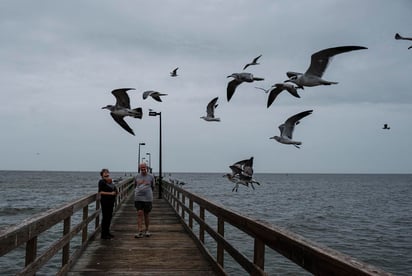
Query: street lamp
(150, 161)
(154, 113)
(138, 156)
(143, 160)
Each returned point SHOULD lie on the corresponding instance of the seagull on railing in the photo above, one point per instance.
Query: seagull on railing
(238, 79)
(254, 62)
(319, 63)
(154, 94)
(286, 129)
(210, 111)
(122, 108)
(398, 36)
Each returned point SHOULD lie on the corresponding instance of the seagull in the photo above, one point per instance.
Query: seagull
(286, 129)
(385, 126)
(210, 111)
(174, 72)
(238, 79)
(154, 94)
(277, 88)
(319, 63)
(398, 36)
(242, 172)
(254, 62)
(122, 108)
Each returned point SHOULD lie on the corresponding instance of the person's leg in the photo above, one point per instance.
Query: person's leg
(105, 221)
(140, 214)
(147, 209)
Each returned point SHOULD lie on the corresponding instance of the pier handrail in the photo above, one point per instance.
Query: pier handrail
(316, 259)
(29, 230)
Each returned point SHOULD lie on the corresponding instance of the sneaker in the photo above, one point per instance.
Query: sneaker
(147, 234)
(139, 235)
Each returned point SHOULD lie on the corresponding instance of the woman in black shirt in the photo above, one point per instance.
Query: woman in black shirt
(107, 192)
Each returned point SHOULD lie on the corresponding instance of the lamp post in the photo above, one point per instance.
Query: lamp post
(154, 113)
(150, 161)
(138, 157)
(143, 160)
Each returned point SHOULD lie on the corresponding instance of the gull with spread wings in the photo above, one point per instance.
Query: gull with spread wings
(242, 173)
(287, 128)
(122, 108)
(239, 78)
(154, 94)
(319, 62)
(210, 111)
(254, 62)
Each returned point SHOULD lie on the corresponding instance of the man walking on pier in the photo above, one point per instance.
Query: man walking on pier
(143, 197)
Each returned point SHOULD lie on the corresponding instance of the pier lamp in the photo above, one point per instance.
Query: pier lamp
(150, 161)
(154, 113)
(138, 156)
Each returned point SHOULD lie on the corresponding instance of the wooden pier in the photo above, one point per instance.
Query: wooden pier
(169, 251)
(190, 236)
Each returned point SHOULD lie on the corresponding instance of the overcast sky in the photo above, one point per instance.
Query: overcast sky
(59, 62)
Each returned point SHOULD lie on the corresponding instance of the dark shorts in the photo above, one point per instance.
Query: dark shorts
(143, 205)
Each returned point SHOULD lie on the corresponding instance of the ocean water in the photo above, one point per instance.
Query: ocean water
(366, 216)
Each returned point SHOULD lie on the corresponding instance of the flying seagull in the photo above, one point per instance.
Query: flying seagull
(210, 111)
(238, 79)
(386, 126)
(319, 63)
(398, 36)
(242, 173)
(278, 88)
(286, 129)
(122, 108)
(154, 94)
(254, 62)
(174, 72)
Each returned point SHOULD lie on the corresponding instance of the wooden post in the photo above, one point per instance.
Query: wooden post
(190, 214)
(201, 227)
(31, 250)
(221, 231)
(66, 248)
(85, 228)
(184, 203)
(259, 253)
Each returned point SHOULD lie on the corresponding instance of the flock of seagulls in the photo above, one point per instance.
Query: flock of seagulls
(242, 171)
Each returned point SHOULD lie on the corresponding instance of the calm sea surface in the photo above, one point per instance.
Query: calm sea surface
(366, 216)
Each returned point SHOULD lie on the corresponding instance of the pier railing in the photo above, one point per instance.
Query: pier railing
(316, 259)
(27, 233)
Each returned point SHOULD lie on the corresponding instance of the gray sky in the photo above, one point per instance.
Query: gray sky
(61, 60)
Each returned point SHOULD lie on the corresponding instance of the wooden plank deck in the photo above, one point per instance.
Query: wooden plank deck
(169, 251)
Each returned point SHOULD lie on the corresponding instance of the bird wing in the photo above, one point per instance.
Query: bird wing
(122, 123)
(292, 121)
(156, 97)
(273, 94)
(122, 99)
(320, 60)
(292, 74)
(256, 58)
(231, 87)
(210, 109)
(398, 36)
(146, 94)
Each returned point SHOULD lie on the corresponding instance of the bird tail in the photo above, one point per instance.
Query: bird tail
(137, 113)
